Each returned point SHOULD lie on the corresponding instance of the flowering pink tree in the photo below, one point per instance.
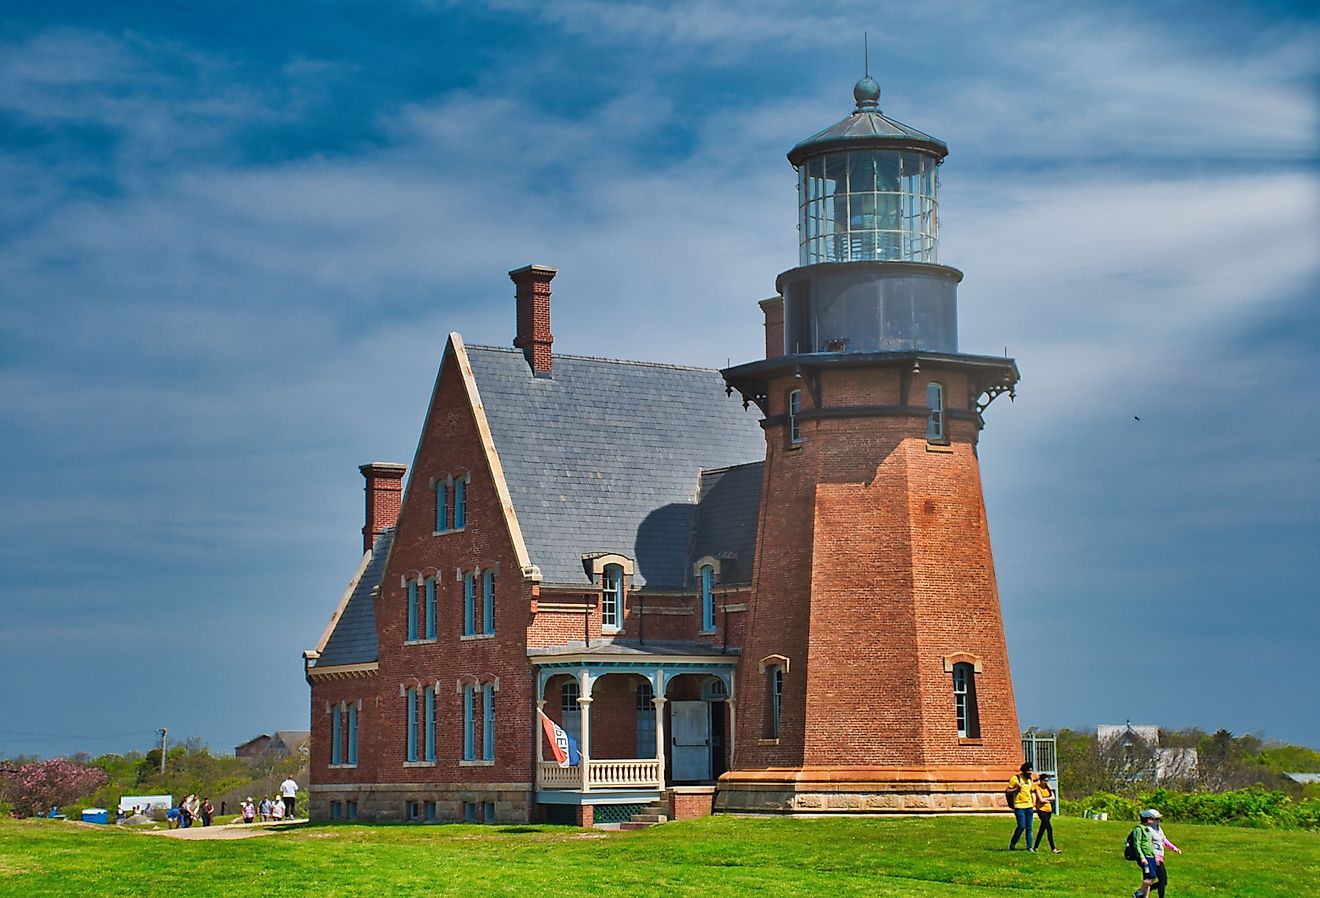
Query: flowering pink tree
(34, 788)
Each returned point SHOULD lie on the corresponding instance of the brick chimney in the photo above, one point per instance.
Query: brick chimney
(533, 297)
(774, 326)
(384, 496)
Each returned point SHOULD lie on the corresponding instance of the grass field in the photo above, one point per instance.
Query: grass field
(958, 857)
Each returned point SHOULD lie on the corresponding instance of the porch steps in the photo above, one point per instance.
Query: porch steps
(650, 816)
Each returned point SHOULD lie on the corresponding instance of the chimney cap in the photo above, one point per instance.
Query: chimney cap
(533, 269)
(382, 467)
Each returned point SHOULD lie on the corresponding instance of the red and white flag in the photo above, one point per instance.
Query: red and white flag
(562, 745)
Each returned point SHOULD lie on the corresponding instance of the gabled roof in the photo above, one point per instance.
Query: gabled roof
(606, 456)
(728, 504)
(351, 637)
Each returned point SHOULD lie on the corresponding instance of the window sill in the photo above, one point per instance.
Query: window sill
(610, 631)
(489, 763)
(710, 632)
(943, 448)
(447, 532)
(419, 763)
(774, 741)
(970, 740)
(342, 766)
(429, 641)
(472, 636)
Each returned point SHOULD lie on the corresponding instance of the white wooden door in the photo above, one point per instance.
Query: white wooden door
(690, 725)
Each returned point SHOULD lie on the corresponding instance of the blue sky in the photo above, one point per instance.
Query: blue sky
(233, 237)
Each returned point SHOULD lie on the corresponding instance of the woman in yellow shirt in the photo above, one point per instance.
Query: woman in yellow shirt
(1046, 804)
(1024, 802)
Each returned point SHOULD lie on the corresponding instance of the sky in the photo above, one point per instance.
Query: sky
(233, 238)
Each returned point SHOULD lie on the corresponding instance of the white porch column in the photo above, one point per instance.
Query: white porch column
(733, 729)
(659, 702)
(584, 748)
(540, 739)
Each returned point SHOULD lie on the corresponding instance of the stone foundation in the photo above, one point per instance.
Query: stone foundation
(388, 802)
(863, 790)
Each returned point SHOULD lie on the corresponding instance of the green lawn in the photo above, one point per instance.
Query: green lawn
(959, 857)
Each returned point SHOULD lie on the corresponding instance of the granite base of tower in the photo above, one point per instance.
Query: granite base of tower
(815, 791)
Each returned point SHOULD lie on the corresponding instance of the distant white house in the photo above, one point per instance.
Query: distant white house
(1169, 763)
(145, 803)
(1304, 778)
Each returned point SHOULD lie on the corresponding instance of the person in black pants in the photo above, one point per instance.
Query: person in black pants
(1046, 803)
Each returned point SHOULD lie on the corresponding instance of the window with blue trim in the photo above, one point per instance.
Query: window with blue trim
(611, 597)
(460, 504)
(469, 604)
(570, 711)
(441, 506)
(488, 722)
(469, 723)
(410, 696)
(412, 610)
(645, 720)
(707, 598)
(336, 736)
(430, 723)
(353, 733)
(430, 607)
(488, 600)
(935, 416)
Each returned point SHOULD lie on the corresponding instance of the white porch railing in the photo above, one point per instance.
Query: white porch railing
(611, 773)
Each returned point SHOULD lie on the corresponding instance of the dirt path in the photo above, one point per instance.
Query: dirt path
(226, 830)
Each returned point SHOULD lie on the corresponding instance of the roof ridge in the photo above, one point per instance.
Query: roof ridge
(599, 358)
(720, 470)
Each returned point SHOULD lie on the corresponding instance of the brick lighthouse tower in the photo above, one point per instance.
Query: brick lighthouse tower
(874, 675)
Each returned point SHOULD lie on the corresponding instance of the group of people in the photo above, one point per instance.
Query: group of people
(280, 807)
(191, 810)
(1030, 795)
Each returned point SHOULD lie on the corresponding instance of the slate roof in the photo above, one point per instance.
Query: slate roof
(354, 638)
(728, 504)
(607, 455)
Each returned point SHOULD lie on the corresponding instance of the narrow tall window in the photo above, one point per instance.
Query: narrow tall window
(469, 604)
(964, 701)
(488, 600)
(430, 607)
(645, 720)
(430, 723)
(441, 506)
(488, 722)
(352, 733)
(460, 504)
(336, 736)
(935, 420)
(470, 723)
(570, 712)
(411, 696)
(611, 597)
(707, 598)
(794, 406)
(776, 689)
(412, 610)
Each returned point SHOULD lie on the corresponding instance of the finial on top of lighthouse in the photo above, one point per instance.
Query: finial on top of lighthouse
(867, 94)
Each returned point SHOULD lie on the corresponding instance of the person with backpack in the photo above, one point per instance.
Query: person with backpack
(1141, 848)
(1160, 842)
(1046, 804)
(1021, 798)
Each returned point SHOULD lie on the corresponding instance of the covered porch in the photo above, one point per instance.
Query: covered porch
(645, 718)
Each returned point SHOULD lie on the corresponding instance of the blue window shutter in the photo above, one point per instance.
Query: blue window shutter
(412, 610)
(441, 507)
(460, 504)
(488, 600)
(469, 601)
(352, 733)
(335, 736)
(430, 724)
(430, 608)
(411, 695)
(488, 722)
(469, 746)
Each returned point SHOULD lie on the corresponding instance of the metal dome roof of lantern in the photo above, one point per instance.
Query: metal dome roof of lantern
(867, 128)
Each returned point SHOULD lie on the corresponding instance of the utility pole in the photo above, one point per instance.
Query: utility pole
(162, 732)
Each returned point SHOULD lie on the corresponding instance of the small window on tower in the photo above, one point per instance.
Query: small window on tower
(794, 406)
(775, 693)
(935, 418)
(964, 701)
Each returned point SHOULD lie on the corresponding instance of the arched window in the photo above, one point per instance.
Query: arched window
(794, 406)
(935, 417)
(707, 598)
(611, 598)
(964, 701)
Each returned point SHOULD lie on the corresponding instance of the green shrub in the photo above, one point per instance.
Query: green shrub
(1255, 807)
(1116, 806)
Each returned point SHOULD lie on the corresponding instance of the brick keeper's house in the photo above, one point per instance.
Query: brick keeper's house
(764, 589)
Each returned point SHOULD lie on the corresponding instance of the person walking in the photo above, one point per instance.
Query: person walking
(1046, 804)
(277, 810)
(1020, 796)
(208, 811)
(1154, 823)
(289, 792)
(264, 809)
(1145, 849)
(248, 810)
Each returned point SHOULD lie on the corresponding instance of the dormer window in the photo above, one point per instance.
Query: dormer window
(611, 598)
(707, 598)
